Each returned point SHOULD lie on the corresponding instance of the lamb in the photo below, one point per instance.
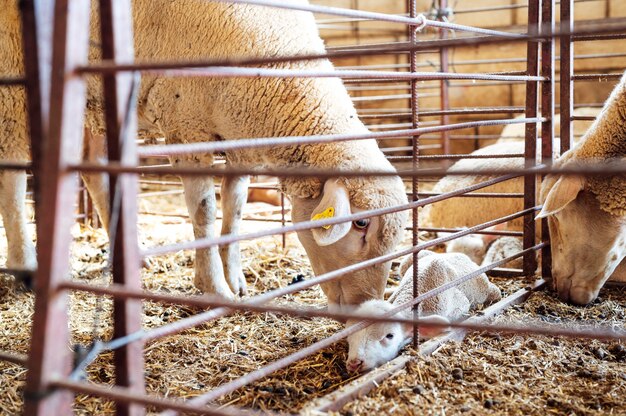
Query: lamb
(517, 132)
(487, 249)
(467, 212)
(587, 215)
(381, 342)
(207, 109)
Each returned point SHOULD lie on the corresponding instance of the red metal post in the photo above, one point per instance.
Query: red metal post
(530, 153)
(49, 353)
(414, 103)
(548, 63)
(121, 124)
(444, 93)
(567, 70)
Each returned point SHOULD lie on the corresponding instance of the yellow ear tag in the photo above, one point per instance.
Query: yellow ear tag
(327, 213)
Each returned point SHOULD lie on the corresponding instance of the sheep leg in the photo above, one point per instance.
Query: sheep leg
(233, 198)
(21, 250)
(202, 207)
(97, 184)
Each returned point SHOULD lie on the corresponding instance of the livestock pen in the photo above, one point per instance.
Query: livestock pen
(116, 337)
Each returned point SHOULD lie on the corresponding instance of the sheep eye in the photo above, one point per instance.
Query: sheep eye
(361, 224)
(389, 336)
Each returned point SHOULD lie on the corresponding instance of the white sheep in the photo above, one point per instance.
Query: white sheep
(485, 249)
(467, 212)
(381, 342)
(200, 109)
(517, 132)
(587, 215)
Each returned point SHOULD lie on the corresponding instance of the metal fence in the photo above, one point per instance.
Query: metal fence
(56, 97)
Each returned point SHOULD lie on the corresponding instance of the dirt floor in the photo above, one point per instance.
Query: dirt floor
(498, 374)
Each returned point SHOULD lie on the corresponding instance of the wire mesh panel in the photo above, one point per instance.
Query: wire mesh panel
(414, 89)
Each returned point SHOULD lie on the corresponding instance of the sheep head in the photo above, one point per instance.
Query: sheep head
(377, 343)
(380, 342)
(341, 245)
(588, 243)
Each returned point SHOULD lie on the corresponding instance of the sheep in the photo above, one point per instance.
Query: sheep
(467, 212)
(517, 132)
(587, 215)
(206, 109)
(381, 342)
(500, 249)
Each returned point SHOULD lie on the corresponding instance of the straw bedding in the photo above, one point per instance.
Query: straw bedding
(517, 374)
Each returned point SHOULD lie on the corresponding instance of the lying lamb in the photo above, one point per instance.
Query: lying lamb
(381, 342)
(487, 249)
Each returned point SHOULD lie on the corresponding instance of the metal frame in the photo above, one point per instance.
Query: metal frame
(57, 93)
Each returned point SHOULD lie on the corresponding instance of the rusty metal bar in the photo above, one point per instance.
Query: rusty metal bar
(415, 142)
(15, 358)
(12, 82)
(252, 143)
(589, 32)
(49, 356)
(592, 168)
(471, 156)
(547, 111)
(243, 72)
(596, 77)
(567, 70)
(129, 398)
(477, 195)
(530, 150)
(444, 93)
(120, 96)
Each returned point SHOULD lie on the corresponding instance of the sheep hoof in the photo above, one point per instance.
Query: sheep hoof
(237, 283)
(207, 286)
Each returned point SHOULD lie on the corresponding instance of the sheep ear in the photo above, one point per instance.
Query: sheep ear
(335, 203)
(564, 191)
(426, 332)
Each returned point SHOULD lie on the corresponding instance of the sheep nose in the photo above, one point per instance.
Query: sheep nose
(354, 365)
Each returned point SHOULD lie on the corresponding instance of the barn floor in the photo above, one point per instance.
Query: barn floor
(507, 374)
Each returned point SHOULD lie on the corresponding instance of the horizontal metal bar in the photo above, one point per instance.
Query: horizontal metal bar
(582, 118)
(124, 395)
(486, 232)
(13, 357)
(608, 168)
(600, 27)
(243, 72)
(245, 144)
(5, 165)
(598, 77)
(12, 81)
(478, 195)
(470, 156)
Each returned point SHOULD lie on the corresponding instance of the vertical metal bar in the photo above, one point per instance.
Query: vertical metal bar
(567, 70)
(444, 92)
(548, 64)
(530, 152)
(282, 218)
(49, 355)
(121, 126)
(415, 164)
(37, 76)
